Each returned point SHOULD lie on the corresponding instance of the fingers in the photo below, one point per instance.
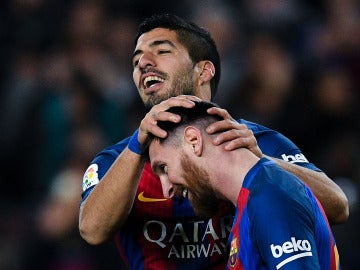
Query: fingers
(227, 123)
(179, 101)
(220, 112)
(231, 133)
(238, 138)
(188, 97)
(241, 137)
(158, 113)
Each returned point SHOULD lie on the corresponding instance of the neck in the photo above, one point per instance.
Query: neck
(230, 174)
(203, 92)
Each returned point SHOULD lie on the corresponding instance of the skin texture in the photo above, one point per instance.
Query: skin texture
(109, 204)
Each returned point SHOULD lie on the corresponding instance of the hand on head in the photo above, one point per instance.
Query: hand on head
(158, 112)
(233, 134)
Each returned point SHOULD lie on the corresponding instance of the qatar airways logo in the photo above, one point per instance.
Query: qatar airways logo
(297, 158)
(300, 249)
(187, 240)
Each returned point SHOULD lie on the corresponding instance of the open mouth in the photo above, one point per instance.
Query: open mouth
(150, 81)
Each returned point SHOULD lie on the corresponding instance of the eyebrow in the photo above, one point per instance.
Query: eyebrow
(154, 44)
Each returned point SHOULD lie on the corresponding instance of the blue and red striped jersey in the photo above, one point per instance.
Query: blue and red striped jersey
(166, 234)
(279, 224)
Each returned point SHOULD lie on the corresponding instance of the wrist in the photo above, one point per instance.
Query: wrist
(134, 145)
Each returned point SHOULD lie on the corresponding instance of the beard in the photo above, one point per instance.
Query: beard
(182, 84)
(203, 198)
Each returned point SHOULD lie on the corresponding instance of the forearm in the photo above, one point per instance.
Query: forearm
(109, 204)
(332, 198)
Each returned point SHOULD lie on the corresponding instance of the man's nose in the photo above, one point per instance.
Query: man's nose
(167, 187)
(146, 60)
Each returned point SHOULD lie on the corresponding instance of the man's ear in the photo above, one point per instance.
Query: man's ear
(206, 71)
(193, 140)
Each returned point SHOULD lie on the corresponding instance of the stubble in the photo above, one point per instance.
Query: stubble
(182, 84)
(203, 198)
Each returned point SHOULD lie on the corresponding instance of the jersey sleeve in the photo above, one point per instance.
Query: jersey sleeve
(99, 166)
(282, 228)
(275, 144)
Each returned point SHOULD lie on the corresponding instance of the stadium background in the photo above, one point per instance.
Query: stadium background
(66, 91)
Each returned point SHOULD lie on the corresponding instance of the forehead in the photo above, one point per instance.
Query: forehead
(156, 34)
(161, 153)
(156, 150)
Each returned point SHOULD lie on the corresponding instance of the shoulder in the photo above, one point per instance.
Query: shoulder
(100, 165)
(274, 190)
(107, 156)
(274, 178)
(115, 149)
(275, 144)
(255, 127)
(264, 133)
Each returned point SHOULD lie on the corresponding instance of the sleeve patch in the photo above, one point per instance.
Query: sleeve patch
(91, 177)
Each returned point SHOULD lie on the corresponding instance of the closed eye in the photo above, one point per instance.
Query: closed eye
(164, 51)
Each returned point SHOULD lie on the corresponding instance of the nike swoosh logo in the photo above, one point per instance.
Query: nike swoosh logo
(142, 198)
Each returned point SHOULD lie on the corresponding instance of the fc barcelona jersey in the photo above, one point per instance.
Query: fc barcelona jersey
(165, 233)
(279, 224)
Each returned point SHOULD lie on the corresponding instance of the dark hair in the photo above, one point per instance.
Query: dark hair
(196, 40)
(195, 115)
(189, 115)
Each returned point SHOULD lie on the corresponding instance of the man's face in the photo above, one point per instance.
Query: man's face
(179, 173)
(162, 67)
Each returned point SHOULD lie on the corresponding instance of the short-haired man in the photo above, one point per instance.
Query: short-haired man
(279, 224)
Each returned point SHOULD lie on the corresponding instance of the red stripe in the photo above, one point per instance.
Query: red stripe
(241, 204)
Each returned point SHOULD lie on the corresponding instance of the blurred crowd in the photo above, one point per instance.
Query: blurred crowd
(66, 91)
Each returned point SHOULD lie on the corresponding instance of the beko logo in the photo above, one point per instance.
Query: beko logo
(300, 248)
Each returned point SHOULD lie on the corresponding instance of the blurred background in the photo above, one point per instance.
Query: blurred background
(66, 91)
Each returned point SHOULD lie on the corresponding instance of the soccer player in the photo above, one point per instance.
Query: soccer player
(176, 63)
(278, 221)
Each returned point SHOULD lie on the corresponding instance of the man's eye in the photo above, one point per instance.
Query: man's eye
(164, 51)
(135, 63)
(163, 169)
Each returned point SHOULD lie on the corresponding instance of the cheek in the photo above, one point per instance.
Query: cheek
(136, 77)
(175, 175)
(174, 178)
